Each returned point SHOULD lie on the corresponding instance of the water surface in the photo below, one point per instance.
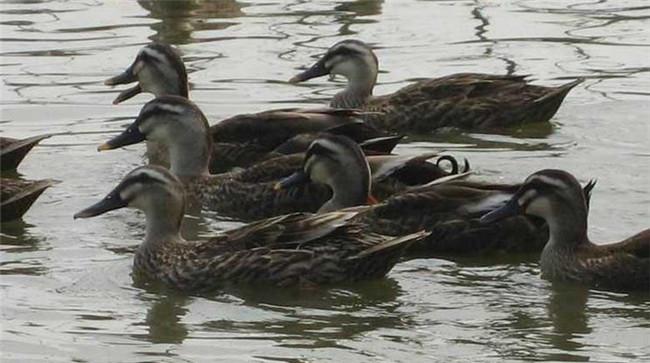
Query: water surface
(67, 294)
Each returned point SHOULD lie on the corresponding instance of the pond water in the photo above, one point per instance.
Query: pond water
(67, 293)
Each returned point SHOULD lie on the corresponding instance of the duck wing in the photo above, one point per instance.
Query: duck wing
(624, 265)
(466, 101)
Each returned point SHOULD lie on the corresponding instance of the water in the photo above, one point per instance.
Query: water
(67, 294)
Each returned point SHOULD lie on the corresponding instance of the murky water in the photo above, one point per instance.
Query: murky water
(67, 293)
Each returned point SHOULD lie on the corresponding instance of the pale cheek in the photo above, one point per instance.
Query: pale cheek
(345, 69)
(540, 207)
(160, 134)
(318, 173)
(148, 82)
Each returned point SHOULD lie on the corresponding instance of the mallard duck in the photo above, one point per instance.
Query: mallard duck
(295, 249)
(13, 151)
(17, 195)
(241, 140)
(470, 101)
(181, 127)
(569, 255)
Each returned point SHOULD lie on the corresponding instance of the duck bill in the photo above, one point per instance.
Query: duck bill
(128, 93)
(510, 209)
(297, 178)
(128, 76)
(130, 136)
(111, 202)
(317, 70)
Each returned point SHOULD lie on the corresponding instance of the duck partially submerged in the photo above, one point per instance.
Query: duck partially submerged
(13, 151)
(241, 140)
(470, 101)
(18, 195)
(295, 249)
(569, 255)
(181, 127)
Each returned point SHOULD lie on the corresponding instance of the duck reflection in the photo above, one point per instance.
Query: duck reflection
(180, 18)
(164, 318)
(322, 317)
(16, 239)
(319, 317)
(353, 10)
(566, 310)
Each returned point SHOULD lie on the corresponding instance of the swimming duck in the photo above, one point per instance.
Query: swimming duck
(13, 151)
(296, 249)
(181, 127)
(17, 195)
(241, 140)
(470, 101)
(449, 209)
(569, 255)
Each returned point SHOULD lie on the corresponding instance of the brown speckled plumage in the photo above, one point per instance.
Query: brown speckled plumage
(455, 229)
(17, 196)
(469, 101)
(13, 151)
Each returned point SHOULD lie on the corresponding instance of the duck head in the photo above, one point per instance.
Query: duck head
(178, 124)
(151, 189)
(557, 197)
(157, 69)
(339, 163)
(352, 59)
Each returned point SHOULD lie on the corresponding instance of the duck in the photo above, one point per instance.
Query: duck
(569, 255)
(449, 207)
(13, 151)
(18, 195)
(466, 101)
(179, 125)
(241, 140)
(299, 249)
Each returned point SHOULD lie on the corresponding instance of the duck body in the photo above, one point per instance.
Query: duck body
(246, 139)
(180, 126)
(622, 265)
(13, 151)
(569, 255)
(17, 196)
(468, 101)
(295, 249)
(451, 212)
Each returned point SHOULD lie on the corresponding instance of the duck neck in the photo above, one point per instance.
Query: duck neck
(162, 226)
(189, 157)
(567, 231)
(358, 90)
(346, 193)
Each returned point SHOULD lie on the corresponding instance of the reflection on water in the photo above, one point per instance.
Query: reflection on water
(566, 309)
(67, 291)
(181, 18)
